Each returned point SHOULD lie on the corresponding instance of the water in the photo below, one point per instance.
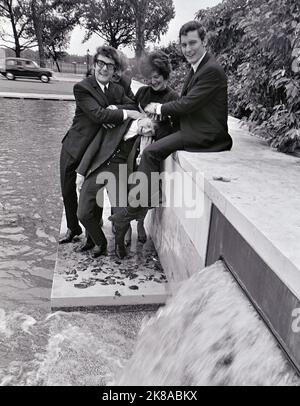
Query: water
(208, 334)
(37, 347)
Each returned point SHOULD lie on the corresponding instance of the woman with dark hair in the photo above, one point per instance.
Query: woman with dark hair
(156, 69)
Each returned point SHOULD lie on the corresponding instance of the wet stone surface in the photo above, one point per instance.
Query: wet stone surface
(38, 347)
(109, 281)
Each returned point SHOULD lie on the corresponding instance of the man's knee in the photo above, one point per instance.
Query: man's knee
(151, 152)
(84, 215)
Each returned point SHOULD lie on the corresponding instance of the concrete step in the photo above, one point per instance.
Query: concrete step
(81, 282)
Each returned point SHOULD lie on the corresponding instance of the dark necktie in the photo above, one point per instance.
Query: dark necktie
(187, 82)
(106, 92)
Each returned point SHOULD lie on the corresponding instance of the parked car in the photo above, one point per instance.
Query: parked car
(25, 68)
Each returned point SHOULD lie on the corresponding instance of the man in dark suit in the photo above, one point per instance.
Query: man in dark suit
(93, 95)
(106, 158)
(202, 112)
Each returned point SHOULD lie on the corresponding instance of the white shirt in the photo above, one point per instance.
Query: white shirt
(195, 67)
(102, 87)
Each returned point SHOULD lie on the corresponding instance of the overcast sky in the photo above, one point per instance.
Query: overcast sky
(184, 11)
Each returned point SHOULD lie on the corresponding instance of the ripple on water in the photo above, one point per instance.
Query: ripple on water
(65, 348)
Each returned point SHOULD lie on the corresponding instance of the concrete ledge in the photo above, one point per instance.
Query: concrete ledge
(255, 191)
(36, 96)
(261, 200)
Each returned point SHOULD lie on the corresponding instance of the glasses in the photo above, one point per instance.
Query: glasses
(110, 66)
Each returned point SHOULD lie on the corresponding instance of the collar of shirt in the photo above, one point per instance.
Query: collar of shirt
(102, 87)
(195, 67)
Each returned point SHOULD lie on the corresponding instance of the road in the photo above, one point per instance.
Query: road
(60, 87)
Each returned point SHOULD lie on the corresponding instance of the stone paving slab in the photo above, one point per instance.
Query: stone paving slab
(82, 282)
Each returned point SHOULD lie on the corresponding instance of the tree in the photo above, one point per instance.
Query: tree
(38, 9)
(110, 20)
(128, 22)
(53, 20)
(151, 20)
(16, 14)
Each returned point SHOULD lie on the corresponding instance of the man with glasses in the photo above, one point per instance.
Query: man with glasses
(92, 95)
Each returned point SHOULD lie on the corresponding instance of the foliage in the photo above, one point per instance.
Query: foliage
(179, 66)
(109, 20)
(55, 19)
(16, 14)
(43, 23)
(258, 43)
(127, 22)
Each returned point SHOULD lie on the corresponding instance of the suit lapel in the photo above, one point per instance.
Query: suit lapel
(187, 81)
(191, 77)
(100, 96)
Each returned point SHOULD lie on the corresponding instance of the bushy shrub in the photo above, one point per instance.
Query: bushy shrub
(258, 43)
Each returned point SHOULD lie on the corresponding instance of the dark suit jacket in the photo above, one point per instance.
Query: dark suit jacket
(202, 109)
(101, 149)
(91, 113)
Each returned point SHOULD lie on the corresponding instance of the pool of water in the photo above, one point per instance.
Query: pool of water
(207, 334)
(36, 346)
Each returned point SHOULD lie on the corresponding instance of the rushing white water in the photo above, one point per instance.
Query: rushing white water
(65, 348)
(207, 334)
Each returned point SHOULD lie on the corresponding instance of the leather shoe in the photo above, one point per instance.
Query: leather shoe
(99, 250)
(69, 236)
(88, 245)
(120, 249)
(128, 236)
(127, 214)
(142, 236)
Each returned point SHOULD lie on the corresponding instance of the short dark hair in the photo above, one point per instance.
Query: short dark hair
(192, 26)
(108, 52)
(156, 61)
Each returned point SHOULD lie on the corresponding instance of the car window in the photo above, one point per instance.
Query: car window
(19, 63)
(10, 62)
(30, 64)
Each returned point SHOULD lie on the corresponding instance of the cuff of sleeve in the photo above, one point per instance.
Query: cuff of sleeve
(125, 115)
(158, 109)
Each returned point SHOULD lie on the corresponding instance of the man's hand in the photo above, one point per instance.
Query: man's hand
(146, 127)
(151, 108)
(135, 115)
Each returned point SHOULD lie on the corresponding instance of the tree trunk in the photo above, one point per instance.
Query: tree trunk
(140, 8)
(57, 65)
(37, 23)
(55, 58)
(16, 38)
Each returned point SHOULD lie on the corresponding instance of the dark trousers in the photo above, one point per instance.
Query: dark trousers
(91, 197)
(68, 175)
(154, 154)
